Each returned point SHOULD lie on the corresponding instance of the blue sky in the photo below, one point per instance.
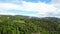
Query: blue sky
(36, 8)
(46, 1)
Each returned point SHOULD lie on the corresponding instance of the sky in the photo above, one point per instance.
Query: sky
(35, 8)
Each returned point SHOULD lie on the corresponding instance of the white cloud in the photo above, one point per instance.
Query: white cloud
(56, 1)
(3, 13)
(8, 6)
(41, 8)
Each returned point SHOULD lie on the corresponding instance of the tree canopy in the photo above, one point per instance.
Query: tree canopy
(25, 25)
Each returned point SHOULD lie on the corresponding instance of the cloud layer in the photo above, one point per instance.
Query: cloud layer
(42, 9)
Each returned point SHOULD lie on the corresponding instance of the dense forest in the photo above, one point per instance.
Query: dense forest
(19, 24)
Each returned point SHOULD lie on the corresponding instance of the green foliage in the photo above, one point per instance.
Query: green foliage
(25, 25)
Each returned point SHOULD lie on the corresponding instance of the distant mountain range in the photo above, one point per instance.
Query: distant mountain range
(53, 19)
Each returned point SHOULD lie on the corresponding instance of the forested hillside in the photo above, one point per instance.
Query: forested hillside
(29, 25)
